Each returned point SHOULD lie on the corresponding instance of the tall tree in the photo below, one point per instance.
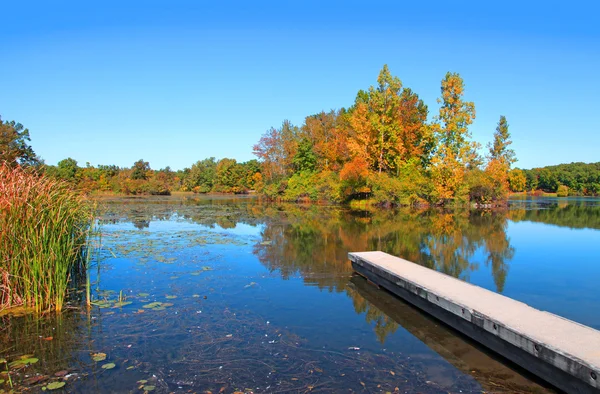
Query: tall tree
(375, 123)
(276, 150)
(14, 145)
(455, 150)
(499, 149)
(415, 139)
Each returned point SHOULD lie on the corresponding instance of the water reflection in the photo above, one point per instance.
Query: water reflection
(278, 305)
(388, 313)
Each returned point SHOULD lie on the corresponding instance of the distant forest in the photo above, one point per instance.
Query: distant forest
(383, 149)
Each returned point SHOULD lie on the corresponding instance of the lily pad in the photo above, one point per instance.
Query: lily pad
(170, 297)
(206, 268)
(102, 304)
(54, 385)
(143, 294)
(152, 305)
(149, 388)
(22, 362)
(108, 366)
(98, 357)
(121, 304)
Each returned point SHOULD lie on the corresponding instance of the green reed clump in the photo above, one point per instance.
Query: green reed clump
(44, 229)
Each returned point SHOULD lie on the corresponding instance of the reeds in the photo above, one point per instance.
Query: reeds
(44, 229)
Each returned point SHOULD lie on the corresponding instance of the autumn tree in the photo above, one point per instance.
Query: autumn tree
(415, 139)
(276, 150)
(14, 145)
(517, 180)
(455, 149)
(373, 119)
(328, 136)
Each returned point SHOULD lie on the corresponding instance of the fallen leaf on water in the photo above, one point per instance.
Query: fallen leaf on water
(149, 388)
(108, 366)
(392, 373)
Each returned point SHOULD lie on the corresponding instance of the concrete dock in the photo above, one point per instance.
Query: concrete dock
(562, 352)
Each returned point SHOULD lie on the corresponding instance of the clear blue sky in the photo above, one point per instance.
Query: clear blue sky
(172, 82)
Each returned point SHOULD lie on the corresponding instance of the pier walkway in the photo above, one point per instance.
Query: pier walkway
(560, 351)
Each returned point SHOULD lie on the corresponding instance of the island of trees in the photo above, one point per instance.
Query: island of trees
(385, 149)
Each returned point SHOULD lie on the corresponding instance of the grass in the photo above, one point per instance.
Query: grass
(44, 229)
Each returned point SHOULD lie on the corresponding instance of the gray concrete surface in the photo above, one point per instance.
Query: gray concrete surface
(560, 351)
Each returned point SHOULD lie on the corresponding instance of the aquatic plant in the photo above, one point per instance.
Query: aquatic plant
(44, 230)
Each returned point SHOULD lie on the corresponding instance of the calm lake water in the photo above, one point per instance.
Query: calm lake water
(228, 294)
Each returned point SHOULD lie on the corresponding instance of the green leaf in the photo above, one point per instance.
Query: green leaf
(149, 388)
(55, 385)
(109, 366)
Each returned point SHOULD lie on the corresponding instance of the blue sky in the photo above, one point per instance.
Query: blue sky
(172, 82)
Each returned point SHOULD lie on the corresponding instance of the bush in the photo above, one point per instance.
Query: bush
(562, 191)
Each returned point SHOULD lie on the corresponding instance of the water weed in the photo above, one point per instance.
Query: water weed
(44, 231)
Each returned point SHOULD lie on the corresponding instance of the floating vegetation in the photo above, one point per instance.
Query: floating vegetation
(98, 356)
(54, 386)
(170, 297)
(108, 366)
(23, 361)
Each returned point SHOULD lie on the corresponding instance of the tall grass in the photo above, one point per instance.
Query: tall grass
(44, 229)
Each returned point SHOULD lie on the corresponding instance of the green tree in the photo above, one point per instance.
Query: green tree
(140, 170)
(14, 145)
(499, 149)
(67, 169)
(201, 176)
(305, 158)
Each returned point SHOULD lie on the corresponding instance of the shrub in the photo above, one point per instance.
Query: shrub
(562, 191)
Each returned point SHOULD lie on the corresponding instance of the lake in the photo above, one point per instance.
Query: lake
(224, 295)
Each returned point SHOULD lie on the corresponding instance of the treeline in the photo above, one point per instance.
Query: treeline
(565, 179)
(208, 175)
(385, 149)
